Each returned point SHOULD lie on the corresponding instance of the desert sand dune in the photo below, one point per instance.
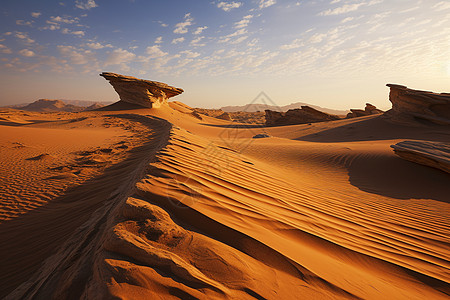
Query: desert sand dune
(199, 209)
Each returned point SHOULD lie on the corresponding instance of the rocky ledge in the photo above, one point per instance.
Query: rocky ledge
(409, 105)
(369, 110)
(142, 92)
(297, 116)
(433, 154)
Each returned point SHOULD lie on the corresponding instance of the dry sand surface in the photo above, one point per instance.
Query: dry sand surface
(126, 203)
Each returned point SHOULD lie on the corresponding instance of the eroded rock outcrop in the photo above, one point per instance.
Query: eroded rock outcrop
(368, 110)
(142, 92)
(297, 116)
(409, 105)
(433, 154)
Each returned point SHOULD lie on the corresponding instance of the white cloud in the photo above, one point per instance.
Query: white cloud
(227, 6)
(26, 53)
(24, 37)
(22, 22)
(297, 43)
(196, 42)
(58, 19)
(181, 28)
(227, 38)
(85, 4)
(244, 22)
(199, 30)
(97, 46)
(342, 9)
(335, 1)
(239, 40)
(158, 40)
(35, 14)
(266, 3)
(4, 49)
(155, 52)
(77, 56)
(443, 5)
(190, 54)
(119, 56)
(178, 40)
(77, 33)
(317, 38)
(348, 19)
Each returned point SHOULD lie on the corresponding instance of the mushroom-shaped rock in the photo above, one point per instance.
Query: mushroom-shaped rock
(142, 92)
(433, 154)
(409, 105)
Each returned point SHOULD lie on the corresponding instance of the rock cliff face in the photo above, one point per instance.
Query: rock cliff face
(369, 110)
(410, 105)
(433, 154)
(142, 92)
(297, 116)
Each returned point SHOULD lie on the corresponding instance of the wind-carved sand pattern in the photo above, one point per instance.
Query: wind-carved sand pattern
(199, 209)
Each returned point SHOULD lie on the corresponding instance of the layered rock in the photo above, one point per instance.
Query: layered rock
(410, 105)
(433, 154)
(142, 92)
(297, 116)
(225, 116)
(368, 110)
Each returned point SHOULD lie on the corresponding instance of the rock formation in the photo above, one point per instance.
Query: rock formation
(433, 154)
(409, 105)
(225, 116)
(369, 110)
(297, 116)
(142, 92)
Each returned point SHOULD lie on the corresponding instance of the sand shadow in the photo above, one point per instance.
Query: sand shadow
(378, 128)
(397, 178)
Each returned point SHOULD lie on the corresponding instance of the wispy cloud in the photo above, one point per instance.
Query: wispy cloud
(26, 53)
(35, 14)
(119, 57)
(227, 6)
(443, 5)
(88, 4)
(244, 22)
(266, 3)
(199, 30)
(181, 27)
(178, 40)
(342, 9)
(158, 40)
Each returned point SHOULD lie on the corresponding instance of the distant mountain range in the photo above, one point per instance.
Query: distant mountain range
(55, 105)
(262, 107)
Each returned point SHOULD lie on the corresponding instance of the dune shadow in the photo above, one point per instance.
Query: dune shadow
(394, 177)
(234, 125)
(378, 128)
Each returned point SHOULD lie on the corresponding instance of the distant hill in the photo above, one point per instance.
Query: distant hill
(48, 105)
(261, 107)
(55, 105)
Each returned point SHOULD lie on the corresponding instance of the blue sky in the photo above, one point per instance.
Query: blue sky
(333, 53)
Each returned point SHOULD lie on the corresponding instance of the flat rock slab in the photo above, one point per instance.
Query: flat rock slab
(433, 154)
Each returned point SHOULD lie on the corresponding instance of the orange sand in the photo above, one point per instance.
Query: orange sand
(197, 209)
